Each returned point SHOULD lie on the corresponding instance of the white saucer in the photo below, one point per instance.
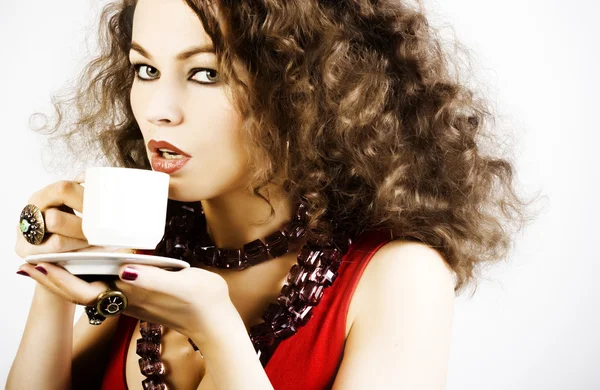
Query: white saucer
(103, 263)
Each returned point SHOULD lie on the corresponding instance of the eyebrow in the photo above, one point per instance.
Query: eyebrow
(184, 55)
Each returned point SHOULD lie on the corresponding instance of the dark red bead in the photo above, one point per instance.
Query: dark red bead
(316, 275)
(310, 258)
(174, 224)
(294, 271)
(330, 274)
(154, 383)
(151, 366)
(279, 319)
(301, 313)
(331, 255)
(294, 232)
(147, 348)
(199, 254)
(288, 228)
(210, 256)
(297, 275)
(150, 330)
(311, 293)
(276, 244)
(255, 252)
(284, 327)
(287, 296)
(188, 222)
(273, 312)
(180, 244)
(262, 334)
(230, 258)
(323, 276)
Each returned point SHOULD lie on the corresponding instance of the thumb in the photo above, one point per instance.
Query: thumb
(80, 178)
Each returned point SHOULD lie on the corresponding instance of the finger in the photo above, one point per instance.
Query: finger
(40, 278)
(65, 284)
(140, 291)
(155, 279)
(146, 277)
(53, 243)
(56, 194)
(47, 285)
(63, 223)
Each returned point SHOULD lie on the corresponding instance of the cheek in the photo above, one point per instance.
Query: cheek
(219, 142)
(216, 124)
(217, 145)
(136, 103)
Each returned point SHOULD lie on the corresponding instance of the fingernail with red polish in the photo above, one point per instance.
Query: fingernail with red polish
(41, 269)
(22, 273)
(129, 274)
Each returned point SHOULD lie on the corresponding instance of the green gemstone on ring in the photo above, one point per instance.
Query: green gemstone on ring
(25, 225)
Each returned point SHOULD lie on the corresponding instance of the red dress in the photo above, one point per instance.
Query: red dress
(309, 359)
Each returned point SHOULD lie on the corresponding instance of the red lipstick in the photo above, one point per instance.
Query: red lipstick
(155, 145)
(166, 157)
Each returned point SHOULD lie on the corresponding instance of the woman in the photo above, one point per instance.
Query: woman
(335, 122)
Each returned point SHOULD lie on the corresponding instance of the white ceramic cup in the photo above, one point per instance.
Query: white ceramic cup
(124, 207)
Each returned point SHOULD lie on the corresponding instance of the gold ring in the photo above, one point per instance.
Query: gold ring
(32, 224)
(111, 302)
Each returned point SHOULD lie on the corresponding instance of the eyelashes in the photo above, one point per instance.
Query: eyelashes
(212, 73)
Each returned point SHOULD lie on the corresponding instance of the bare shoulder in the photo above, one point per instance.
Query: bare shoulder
(402, 260)
(400, 267)
(401, 331)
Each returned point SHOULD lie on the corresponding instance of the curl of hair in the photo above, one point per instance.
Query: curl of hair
(381, 134)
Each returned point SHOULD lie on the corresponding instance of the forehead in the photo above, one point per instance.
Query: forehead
(162, 24)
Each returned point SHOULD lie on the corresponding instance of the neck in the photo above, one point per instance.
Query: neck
(239, 217)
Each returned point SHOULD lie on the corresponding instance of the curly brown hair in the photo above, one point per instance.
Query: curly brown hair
(381, 134)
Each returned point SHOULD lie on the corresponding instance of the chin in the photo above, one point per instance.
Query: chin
(180, 195)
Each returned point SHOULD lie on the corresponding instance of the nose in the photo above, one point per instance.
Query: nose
(164, 107)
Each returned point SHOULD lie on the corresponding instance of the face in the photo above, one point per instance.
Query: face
(183, 102)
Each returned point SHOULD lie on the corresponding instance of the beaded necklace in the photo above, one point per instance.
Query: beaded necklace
(186, 239)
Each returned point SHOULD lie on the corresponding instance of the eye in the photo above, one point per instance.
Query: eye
(138, 67)
(211, 75)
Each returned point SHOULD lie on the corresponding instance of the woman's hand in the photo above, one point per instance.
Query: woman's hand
(191, 301)
(63, 234)
(63, 227)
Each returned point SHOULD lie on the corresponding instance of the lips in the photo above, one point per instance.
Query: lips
(166, 165)
(153, 146)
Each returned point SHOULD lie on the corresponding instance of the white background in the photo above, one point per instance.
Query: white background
(533, 322)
